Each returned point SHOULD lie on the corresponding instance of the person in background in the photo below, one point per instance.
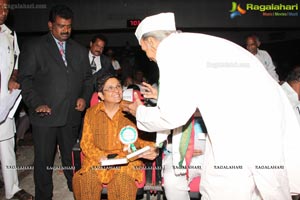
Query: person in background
(115, 63)
(100, 63)
(292, 89)
(56, 86)
(139, 77)
(252, 45)
(128, 81)
(103, 125)
(9, 50)
(242, 116)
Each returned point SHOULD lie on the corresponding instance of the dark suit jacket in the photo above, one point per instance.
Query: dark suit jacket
(45, 80)
(106, 67)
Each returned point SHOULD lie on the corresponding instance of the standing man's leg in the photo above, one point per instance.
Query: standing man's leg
(44, 140)
(67, 137)
(175, 186)
(8, 166)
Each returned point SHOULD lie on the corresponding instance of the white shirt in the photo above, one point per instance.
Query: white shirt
(116, 64)
(97, 61)
(266, 60)
(249, 123)
(293, 97)
(8, 50)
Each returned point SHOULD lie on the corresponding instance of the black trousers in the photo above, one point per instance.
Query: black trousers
(45, 141)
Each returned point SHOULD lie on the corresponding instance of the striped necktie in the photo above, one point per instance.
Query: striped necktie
(62, 52)
(93, 65)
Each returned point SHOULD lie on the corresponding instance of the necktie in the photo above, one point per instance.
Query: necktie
(62, 52)
(93, 65)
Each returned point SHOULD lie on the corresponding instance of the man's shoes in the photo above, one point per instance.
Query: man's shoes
(23, 195)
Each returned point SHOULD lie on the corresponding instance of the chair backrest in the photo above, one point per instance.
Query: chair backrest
(94, 99)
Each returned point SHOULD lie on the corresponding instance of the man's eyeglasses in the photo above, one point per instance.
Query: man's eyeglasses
(112, 88)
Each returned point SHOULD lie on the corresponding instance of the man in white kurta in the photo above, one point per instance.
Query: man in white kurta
(252, 44)
(7, 128)
(251, 127)
(9, 52)
(292, 89)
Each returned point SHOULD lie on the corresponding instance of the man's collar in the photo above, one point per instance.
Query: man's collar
(91, 55)
(56, 40)
(4, 28)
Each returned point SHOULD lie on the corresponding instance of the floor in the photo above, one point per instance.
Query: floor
(25, 173)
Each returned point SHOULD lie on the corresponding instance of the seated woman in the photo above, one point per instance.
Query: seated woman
(102, 126)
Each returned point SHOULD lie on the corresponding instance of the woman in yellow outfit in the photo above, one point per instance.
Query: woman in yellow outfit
(102, 126)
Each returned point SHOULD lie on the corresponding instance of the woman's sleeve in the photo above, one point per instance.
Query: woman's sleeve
(90, 151)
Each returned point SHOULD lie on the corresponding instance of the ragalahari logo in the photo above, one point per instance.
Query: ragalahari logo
(236, 10)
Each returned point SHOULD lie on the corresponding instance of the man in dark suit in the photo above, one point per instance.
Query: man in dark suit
(100, 63)
(55, 78)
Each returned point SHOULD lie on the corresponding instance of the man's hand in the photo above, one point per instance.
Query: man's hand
(80, 104)
(197, 152)
(148, 91)
(12, 85)
(151, 154)
(43, 110)
(132, 107)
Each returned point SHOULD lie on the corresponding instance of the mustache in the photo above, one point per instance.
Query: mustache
(65, 33)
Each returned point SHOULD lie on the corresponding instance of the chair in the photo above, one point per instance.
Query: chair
(94, 99)
(194, 188)
(77, 158)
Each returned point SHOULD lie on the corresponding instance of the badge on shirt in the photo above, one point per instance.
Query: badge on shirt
(128, 136)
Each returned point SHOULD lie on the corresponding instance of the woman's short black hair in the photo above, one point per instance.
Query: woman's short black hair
(62, 11)
(101, 80)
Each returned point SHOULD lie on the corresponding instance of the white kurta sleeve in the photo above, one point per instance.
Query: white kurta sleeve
(266, 60)
(176, 102)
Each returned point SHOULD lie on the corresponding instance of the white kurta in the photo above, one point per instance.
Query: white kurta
(246, 113)
(7, 128)
(293, 98)
(7, 53)
(265, 58)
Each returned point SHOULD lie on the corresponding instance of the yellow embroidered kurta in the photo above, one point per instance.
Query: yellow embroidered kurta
(101, 137)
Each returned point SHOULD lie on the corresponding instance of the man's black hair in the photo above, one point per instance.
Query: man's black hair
(293, 75)
(100, 37)
(62, 11)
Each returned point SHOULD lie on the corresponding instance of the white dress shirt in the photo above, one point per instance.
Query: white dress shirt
(8, 50)
(264, 57)
(97, 61)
